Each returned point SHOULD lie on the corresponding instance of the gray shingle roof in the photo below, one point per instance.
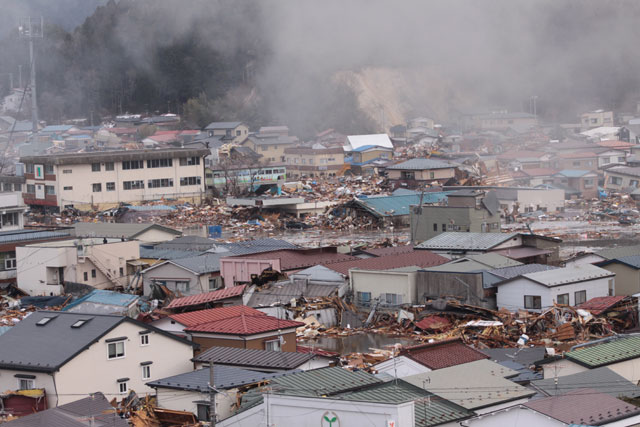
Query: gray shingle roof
(46, 348)
(256, 359)
(602, 379)
(420, 164)
(453, 240)
(225, 377)
(74, 414)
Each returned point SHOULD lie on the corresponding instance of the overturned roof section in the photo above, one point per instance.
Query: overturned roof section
(390, 206)
(207, 297)
(380, 139)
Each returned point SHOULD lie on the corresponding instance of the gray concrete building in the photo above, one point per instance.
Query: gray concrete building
(466, 211)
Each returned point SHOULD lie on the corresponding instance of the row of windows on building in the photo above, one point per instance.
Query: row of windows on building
(126, 165)
(139, 184)
(364, 299)
(49, 190)
(534, 302)
(303, 161)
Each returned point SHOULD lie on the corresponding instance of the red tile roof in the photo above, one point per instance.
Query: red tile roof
(599, 304)
(245, 324)
(583, 407)
(294, 259)
(403, 249)
(194, 318)
(414, 258)
(616, 144)
(207, 297)
(443, 354)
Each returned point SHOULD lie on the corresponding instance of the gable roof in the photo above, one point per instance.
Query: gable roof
(200, 264)
(455, 240)
(74, 414)
(323, 382)
(585, 406)
(117, 230)
(519, 270)
(255, 359)
(420, 164)
(21, 348)
(415, 258)
(625, 170)
(619, 252)
(207, 297)
(443, 354)
(431, 412)
(188, 243)
(245, 324)
(603, 379)
(472, 385)
(632, 261)
(493, 260)
(562, 276)
(607, 353)
(225, 377)
(198, 317)
(575, 173)
(302, 258)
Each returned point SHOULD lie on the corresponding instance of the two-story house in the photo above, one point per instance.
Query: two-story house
(314, 162)
(72, 354)
(232, 132)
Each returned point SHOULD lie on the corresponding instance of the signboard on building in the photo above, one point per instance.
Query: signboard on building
(38, 171)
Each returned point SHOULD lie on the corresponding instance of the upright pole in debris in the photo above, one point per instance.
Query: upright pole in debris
(212, 396)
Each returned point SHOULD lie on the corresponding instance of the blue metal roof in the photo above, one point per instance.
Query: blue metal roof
(100, 296)
(571, 173)
(57, 128)
(399, 205)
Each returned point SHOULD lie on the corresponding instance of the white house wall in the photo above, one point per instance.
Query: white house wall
(384, 282)
(91, 370)
(514, 417)
(511, 295)
(183, 400)
(172, 273)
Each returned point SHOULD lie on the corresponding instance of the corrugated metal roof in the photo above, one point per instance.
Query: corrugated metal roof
(494, 260)
(163, 253)
(598, 305)
(112, 229)
(283, 292)
(519, 270)
(225, 377)
(571, 274)
(206, 297)
(257, 246)
(603, 379)
(420, 164)
(223, 125)
(574, 173)
(454, 240)
(431, 412)
(390, 206)
(603, 354)
(27, 235)
(584, 407)
(472, 385)
(255, 359)
(323, 382)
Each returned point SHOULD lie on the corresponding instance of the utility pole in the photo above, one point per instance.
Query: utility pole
(20, 76)
(31, 30)
(212, 396)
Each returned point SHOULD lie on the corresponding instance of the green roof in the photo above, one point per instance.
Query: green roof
(430, 410)
(389, 206)
(322, 382)
(606, 353)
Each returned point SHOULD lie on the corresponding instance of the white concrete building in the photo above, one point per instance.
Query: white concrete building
(393, 287)
(42, 268)
(107, 178)
(72, 354)
(571, 285)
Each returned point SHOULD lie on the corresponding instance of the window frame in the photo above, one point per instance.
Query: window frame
(535, 298)
(146, 372)
(115, 343)
(273, 343)
(30, 381)
(96, 187)
(577, 301)
(126, 387)
(144, 340)
(564, 297)
(95, 167)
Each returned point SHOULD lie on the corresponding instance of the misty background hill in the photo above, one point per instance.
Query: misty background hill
(355, 66)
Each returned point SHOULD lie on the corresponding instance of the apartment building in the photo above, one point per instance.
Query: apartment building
(597, 118)
(314, 162)
(107, 178)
